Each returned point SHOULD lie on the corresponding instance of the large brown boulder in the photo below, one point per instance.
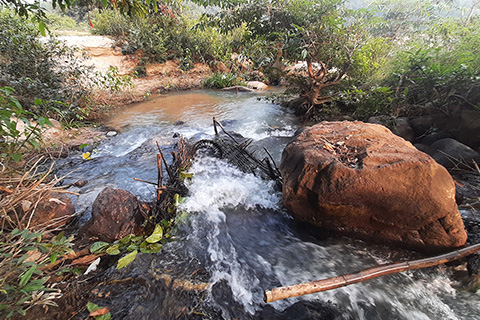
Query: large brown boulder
(116, 213)
(362, 180)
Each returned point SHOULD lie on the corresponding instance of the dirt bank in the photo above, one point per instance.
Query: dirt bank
(160, 77)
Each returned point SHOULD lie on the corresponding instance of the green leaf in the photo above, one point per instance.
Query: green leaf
(16, 156)
(60, 236)
(125, 261)
(27, 275)
(113, 250)
(304, 53)
(157, 234)
(185, 175)
(38, 101)
(34, 286)
(98, 247)
(92, 307)
(146, 247)
(127, 239)
(41, 28)
(132, 247)
(53, 258)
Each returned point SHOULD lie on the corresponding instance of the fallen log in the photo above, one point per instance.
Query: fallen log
(345, 280)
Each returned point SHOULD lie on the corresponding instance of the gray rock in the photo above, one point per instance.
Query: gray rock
(403, 129)
(450, 153)
(429, 139)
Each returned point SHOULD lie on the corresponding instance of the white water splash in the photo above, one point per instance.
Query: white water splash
(218, 185)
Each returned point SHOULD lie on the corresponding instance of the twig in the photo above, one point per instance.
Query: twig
(136, 179)
(170, 174)
(225, 131)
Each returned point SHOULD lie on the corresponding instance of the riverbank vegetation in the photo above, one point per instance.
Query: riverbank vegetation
(338, 60)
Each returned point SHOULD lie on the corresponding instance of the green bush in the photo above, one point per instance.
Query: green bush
(13, 140)
(61, 22)
(45, 69)
(161, 37)
(109, 23)
(220, 80)
(365, 103)
(442, 68)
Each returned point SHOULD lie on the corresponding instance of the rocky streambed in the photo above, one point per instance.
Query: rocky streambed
(235, 239)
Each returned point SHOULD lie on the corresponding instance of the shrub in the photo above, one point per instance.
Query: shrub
(109, 23)
(60, 22)
(363, 104)
(440, 67)
(220, 80)
(13, 141)
(41, 69)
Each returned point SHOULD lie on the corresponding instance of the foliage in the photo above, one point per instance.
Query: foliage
(131, 244)
(403, 18)
(368, 102)
(61, 22)
(113, 81)
(220, 80)
(110, 23)
(14, 140)
(161, 37)
(47, 70)
(23, 281)
(445, 75)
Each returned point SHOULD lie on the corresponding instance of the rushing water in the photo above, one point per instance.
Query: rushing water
(236, 230)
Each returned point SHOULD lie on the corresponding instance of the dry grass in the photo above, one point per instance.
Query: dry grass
(21, 194)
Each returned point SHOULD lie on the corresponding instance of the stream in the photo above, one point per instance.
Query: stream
(234, 233)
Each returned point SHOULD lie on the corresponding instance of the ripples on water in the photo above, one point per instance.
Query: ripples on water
(236, 228)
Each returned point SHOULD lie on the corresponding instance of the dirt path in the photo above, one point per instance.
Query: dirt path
(161, 77)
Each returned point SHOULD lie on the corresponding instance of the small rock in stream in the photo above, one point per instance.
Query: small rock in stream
(80, 183)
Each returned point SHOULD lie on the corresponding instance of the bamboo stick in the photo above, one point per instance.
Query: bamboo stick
(159, 177)
(170, 174)
(345, 280)
(215, 126)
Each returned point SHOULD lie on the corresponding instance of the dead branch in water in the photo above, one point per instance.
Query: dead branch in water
(345, 280)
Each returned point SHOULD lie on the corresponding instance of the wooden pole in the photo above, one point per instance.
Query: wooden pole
(170, 174)
(215, 126)
(159, 176)
(345, 280)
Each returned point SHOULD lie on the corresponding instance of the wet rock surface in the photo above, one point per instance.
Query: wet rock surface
(362, 180)
(116, 213)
